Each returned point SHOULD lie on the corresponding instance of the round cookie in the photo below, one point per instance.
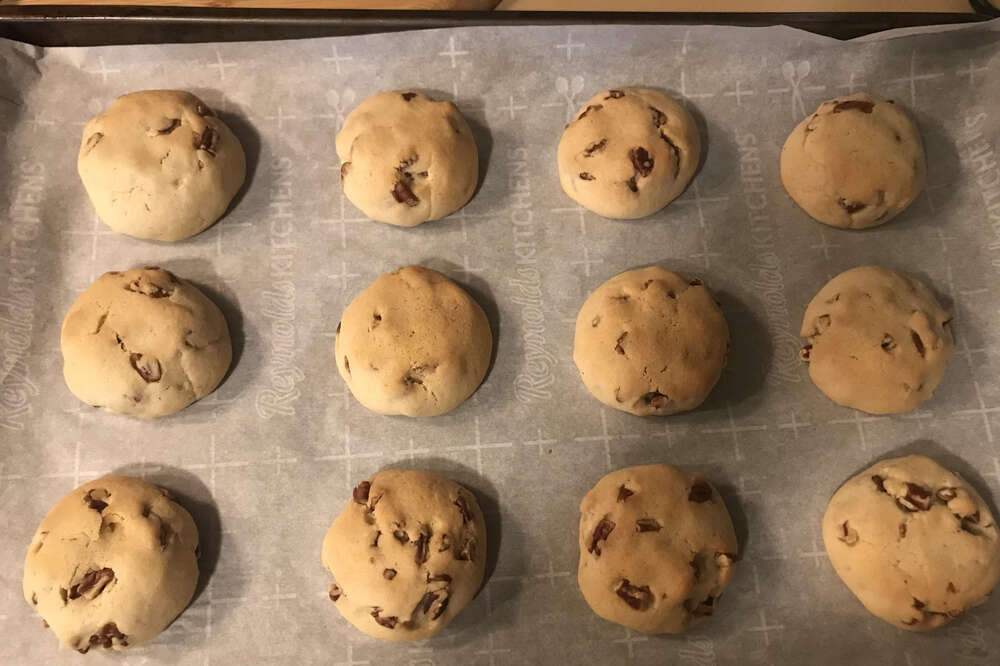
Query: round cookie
(159, 164)
(628, 153)
(413, 343)
(407, 554)
(649, 341)
(112, 564)
(145, 343)
(406, 159)
(877, 341)
(855, 163)
(913, 541)
(657, 548)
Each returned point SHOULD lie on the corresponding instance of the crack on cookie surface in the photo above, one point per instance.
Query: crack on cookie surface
(590, 107)
(675, 152)
(647, 525)
(853, 105)
(620, 343)
(596, 147)
(92, 142)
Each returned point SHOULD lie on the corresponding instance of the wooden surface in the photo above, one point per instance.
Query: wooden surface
(578, 5)
(279, 4)
(743, 5)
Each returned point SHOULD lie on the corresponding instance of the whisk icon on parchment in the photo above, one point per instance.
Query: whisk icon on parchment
(568, 89)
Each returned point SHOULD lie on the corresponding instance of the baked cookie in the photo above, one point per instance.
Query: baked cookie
(144, 343)
(628, 153)
(413, 343)
(857, 162)
(407, 554)
(406, 159)
(657, 548)
(877, 341)
(649, 341)
(913, 541)
(112, 564)
(158, 164)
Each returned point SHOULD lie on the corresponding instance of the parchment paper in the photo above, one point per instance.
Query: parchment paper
(268, 460)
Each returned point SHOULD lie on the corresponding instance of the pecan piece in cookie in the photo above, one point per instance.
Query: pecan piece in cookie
(642, 161)
(700, 492)
(206, 141)
(656, 400)
(638, 597)
(848, 535)
(147, 367)
(93, 583)
(402, 193)
(95, 497)
(387, 622)
(361, 492)
(106, 638)
(601, 533)
(917, 498)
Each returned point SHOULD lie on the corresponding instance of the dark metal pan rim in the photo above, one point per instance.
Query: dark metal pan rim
(52, 25)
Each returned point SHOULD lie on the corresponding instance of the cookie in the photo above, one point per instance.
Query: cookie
(407, 554)
(855, 163)
(406, 159)
(145, 343)
(628, 153)
(112, 564)
(877, 341)
(650, 341)
(913, 541)
(657, 548)
(413, 343)
(159, 164)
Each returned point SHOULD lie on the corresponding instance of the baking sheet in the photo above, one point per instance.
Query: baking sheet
(267, 460)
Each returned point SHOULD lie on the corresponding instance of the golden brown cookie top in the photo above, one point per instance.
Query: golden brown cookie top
(144, 342)
(877, 341)
(407, 554)
(913, 541)
(406, 159)
(159, 164)
(413, 343)
(650, 341)
(628, 153)
(856, 162)
(657, 548)
(112, 564)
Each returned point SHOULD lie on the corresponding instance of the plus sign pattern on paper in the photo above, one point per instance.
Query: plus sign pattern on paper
(266, 461)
